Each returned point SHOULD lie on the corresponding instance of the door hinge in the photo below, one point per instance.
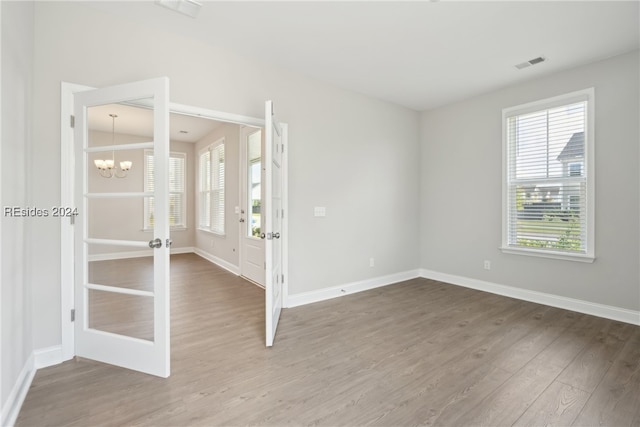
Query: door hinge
(72, 121)
(73, 314)
(282, 213)
(72, 220)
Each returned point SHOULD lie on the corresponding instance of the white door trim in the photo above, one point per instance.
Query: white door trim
(67, 199)
(67, 188)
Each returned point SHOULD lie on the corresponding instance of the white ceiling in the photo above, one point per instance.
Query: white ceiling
(138, 121)
(418, 54)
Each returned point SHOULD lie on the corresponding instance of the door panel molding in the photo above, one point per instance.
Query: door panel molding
(276, 231)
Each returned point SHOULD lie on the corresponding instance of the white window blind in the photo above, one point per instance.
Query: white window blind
(177, 198)
(205, 190)
(212, 188)
(548, 190)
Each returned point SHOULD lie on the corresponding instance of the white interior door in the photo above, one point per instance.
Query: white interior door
(273, 205)
(252, 216)
(121, 274)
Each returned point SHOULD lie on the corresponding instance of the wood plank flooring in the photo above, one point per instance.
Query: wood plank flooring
(416, 353)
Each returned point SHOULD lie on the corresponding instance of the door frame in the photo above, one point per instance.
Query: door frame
(67, 188)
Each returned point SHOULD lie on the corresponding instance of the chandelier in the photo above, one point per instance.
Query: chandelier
(107, 168)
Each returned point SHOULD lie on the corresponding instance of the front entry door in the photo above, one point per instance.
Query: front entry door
(121, 273)
(275, 141)
(252, 216)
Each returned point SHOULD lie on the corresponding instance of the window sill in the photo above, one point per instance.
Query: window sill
(215, 233)
(180, 228)
(549, 254)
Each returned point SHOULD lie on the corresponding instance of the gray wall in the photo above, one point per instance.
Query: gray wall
(461, 189)
(15, 289)
(356, 156)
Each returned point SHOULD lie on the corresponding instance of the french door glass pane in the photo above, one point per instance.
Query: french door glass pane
(116, 218)
(122, 314)
(254, 190)
(133, 123)
(132, 180)
(131, 272)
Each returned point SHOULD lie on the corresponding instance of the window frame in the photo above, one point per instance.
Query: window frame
(146, 226)
(587, 95)
(212, 191)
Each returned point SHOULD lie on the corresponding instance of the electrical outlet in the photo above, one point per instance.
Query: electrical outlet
(487, 265)
(372, 262)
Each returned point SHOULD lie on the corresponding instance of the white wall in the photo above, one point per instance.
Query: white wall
(356, 156)
(123, 219)
(15, 290)
(224, 247)
(461, 189)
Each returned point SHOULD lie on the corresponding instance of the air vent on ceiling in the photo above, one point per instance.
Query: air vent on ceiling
(530, 62)
(186, 7)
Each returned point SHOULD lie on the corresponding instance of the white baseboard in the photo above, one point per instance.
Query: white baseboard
(185, 250)
(581, 306)
(349, 288)
(218, 261)
(49, 356)
(16, 397)
(135, 254)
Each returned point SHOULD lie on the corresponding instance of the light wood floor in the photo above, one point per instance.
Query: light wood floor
(415, 353)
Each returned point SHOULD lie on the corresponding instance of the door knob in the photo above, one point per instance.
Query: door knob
(262, 236)
(276, 235)
(155, 243)
(241, 219)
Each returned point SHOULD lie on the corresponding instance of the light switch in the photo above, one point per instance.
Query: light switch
(320, 211)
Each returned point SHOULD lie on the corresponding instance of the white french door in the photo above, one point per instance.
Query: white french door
(275, 141)
(122, 277)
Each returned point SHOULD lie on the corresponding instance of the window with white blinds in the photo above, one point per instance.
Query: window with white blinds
(177, 197)
(211, 188)
(548, 177)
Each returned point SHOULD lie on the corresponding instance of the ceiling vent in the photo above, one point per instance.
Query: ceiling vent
(530, 62)
(186, 7)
